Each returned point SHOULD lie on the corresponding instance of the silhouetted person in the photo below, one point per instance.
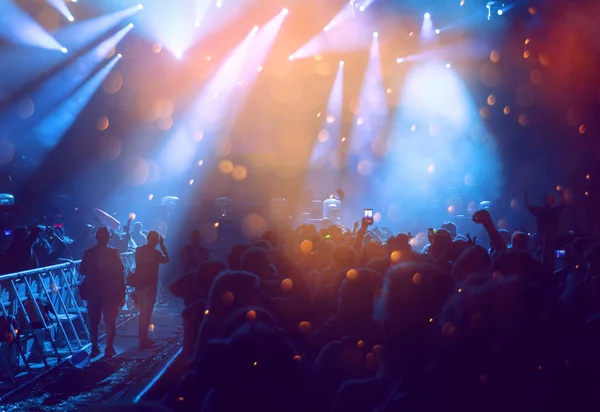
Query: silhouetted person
(548, 214)
(147, 260)
(194, 254)
(103, 288)
(136, 234)
(19, 253)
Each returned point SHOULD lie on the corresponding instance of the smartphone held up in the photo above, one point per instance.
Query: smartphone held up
(369, 215)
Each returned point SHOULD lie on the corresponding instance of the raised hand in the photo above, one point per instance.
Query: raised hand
(366, 223)
(482, 217)
(471, 242)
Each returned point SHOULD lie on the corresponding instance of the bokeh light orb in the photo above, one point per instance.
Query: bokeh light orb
(239, 173)
(225, 166)
(7, 151)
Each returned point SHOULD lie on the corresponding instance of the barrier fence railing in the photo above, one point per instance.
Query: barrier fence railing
(43, 320)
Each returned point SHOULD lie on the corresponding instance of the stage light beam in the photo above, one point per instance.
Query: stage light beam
(57, 88)
(210, 113)
(427, 30)
(52, 128)
(20, 28)
(62, 8)
(368, 130)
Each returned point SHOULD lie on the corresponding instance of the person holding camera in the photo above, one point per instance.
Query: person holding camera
(147, 260)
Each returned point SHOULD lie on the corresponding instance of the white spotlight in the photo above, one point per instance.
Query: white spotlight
(427, 15)
(437, 31)
(285, 12)
(448, 65)
(291, 57)
(64, 50)
(197, 24)
(140, 6)
(326, 28)
(120, 56)
(362, 8)
(500, 12)
(255, 28)
(341, 63)
(71, 19)
(375, 34)
(130, 25)
(400, 60)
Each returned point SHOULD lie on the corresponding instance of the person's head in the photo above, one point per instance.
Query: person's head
(206, 274)
(320, 258)
(358, 293)
(344, 257)
(520, 241)
(413, 294)
(491, 344)
(103, 236)
(153, 238)
(439, 242)
(550, 200)
(514, 262)
(263, 244)
(380, 265)
(229, 291)
(372, 250)
(335, 234)
(257, 260)
(473, 261)
(232, 289)
(451, 228)
(308, 232)
(234, 257)
(247, 315)
(505, 236)
(195, 236)
(137, 227)
(261, 370)
(272, 237)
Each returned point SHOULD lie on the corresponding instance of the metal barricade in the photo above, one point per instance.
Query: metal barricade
(51, 317)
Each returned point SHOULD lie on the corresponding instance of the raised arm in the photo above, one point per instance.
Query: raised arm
(164, 255)
(484, 218)
(360, 235)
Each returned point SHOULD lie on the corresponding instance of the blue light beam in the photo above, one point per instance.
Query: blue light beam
(427, 30)
(60, 86)
(18, 27)
(62, 8)
(81, 34)
(50, 131)
(438, 149)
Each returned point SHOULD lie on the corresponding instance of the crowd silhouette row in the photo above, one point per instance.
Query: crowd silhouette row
(332, 320)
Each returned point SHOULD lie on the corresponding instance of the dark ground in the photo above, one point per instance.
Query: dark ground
(68, 388)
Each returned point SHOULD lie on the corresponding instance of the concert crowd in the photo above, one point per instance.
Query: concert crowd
(334, 320)
(340, 319)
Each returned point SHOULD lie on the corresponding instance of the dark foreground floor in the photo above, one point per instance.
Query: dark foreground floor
(68, 388)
